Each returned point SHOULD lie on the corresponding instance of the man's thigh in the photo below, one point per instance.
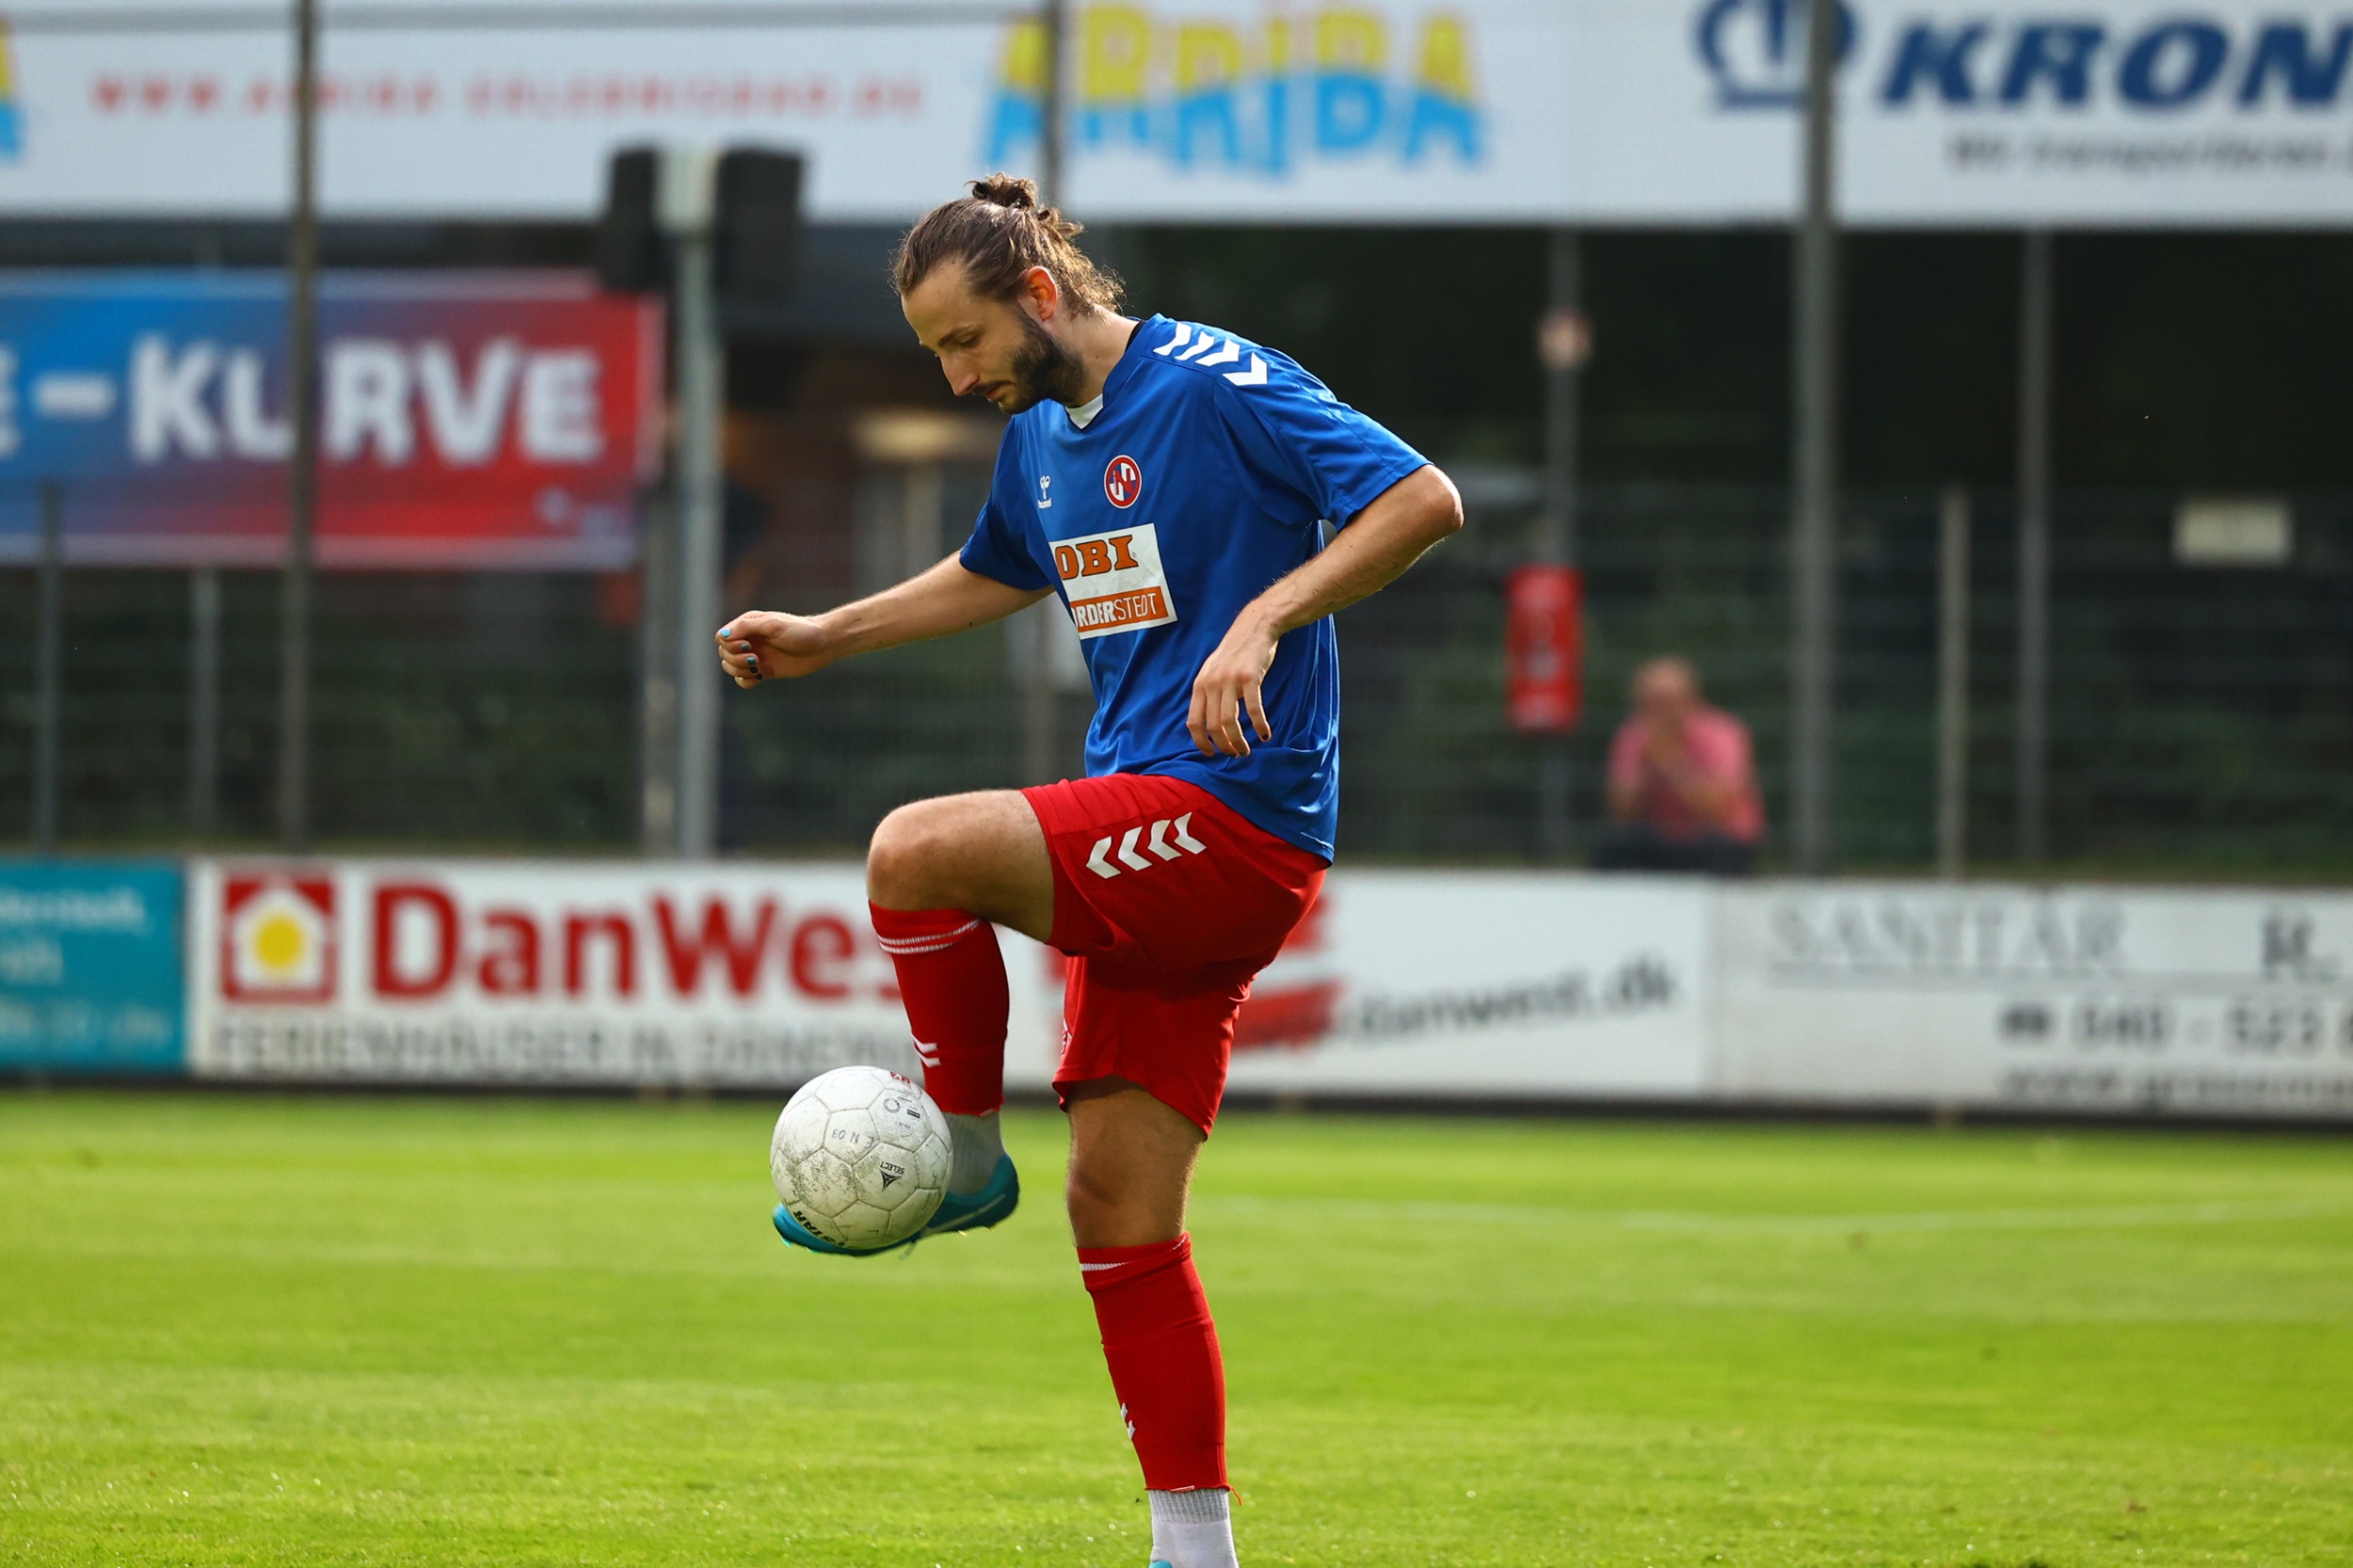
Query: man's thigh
(983, 853)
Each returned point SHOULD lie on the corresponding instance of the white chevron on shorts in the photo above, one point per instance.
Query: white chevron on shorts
(1253, 376)
(1172, 838)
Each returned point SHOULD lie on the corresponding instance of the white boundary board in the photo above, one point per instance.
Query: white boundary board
(2069, 998)
(1989, 113)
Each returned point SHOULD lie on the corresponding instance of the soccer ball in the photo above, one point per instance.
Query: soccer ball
(860, 1157)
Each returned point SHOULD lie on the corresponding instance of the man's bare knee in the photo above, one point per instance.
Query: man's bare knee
(903, 858)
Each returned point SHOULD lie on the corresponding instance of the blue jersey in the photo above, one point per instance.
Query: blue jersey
(1205, 477)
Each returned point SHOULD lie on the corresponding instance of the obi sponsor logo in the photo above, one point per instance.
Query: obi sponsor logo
(2175, 61)
(1123, 481)
(277, 938)
(1259, 96)
(1113, 580)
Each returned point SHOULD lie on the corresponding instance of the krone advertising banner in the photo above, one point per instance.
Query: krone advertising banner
(2218, 1003)
(1991, 112)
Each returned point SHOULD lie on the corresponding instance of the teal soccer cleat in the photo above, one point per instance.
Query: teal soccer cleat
(993, 1203)
(797, 1235)
(967, 1211)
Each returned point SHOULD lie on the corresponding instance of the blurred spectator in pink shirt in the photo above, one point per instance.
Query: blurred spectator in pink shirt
(1682, 782)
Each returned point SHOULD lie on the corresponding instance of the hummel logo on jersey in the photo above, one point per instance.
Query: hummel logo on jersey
(1045, 483)
(1171, 837)
(1226, 355)
(1113, 580)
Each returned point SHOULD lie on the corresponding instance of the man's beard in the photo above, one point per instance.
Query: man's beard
(1044, 369)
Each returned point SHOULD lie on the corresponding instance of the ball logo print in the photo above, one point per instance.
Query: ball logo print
(1123, 482)
(277, 938)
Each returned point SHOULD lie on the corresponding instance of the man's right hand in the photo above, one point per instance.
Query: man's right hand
(761, 645)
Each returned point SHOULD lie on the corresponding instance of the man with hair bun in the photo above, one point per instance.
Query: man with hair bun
(1201, 506)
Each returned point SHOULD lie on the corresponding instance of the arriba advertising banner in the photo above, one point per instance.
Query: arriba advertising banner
(1995, 112)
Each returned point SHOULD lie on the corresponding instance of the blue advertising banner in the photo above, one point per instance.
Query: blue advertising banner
(91, 968)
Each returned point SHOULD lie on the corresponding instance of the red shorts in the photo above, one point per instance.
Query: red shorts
(1168, 902)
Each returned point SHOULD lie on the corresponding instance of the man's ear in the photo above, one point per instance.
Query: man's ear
(1040, 295)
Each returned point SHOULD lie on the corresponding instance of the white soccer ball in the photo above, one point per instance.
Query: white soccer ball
(860, 1157)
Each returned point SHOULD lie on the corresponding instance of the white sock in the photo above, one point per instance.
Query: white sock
(974, 1146)
(1193, 1529)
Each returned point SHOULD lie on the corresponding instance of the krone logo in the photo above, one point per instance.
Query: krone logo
(277, 938)
(1123, 482)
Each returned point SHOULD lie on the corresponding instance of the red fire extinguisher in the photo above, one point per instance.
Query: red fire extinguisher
(1544, 640)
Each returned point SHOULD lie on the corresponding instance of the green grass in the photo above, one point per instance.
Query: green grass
(313, 1331)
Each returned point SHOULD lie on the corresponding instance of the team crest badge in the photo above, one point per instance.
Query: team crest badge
(1123, 482)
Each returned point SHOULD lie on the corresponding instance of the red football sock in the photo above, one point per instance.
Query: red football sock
(952, 980)
(1165, 1366)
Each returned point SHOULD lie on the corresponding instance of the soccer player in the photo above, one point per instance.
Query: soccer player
(1202, 506)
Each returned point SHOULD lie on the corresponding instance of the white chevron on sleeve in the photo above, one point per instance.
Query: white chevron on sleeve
(1253, 376)
(1183, 333)
(1226, 355)
(1200, 345)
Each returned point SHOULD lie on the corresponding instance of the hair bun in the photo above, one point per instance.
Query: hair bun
(1006, 190)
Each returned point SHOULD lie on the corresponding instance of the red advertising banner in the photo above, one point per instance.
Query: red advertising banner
(466, 421)
(1543, 636)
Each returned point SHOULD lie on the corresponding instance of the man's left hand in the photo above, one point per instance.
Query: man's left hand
(1228, 686)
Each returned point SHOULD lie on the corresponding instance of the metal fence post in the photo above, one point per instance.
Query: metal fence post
(1952, 681)
(1814, 457)
(204, 698)
(2034, 543)
(302, 479)
(1556, 542)
(701, 389)
(49, 669)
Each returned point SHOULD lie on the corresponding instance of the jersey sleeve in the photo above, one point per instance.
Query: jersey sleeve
(998, 547)
(1292, 427)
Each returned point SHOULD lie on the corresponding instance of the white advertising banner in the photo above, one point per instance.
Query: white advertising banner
(2141, 112)
(1486, 984)
(539, 972)
(2224, 1003)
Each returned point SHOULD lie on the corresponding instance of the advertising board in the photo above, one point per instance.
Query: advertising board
(467, 421)
(1995, 112)
(1486, 984)
(551, 973)
(2160, 1002)
(90, 976)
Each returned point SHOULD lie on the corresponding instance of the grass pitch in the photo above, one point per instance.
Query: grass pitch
(297, 1331)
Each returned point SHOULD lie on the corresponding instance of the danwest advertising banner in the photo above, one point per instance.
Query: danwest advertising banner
(467, 421)
(569, 972)
(502, 971)
(2149, 1001)
(90, 977)
(2140, 112)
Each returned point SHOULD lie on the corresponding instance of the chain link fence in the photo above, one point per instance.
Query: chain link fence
(2202, 717)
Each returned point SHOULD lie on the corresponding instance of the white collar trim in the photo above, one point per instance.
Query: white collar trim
(1084, 414)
